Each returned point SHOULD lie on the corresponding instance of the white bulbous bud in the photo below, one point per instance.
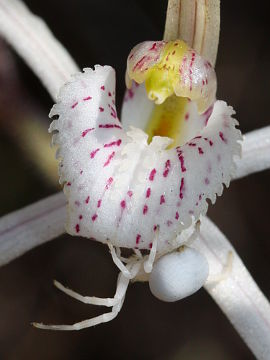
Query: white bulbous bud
(178, 274)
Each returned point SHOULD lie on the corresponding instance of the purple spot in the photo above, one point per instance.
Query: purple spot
(113, 143)
(200, 150)
(221, 135)
(87, 98)
(152, 174)
(93, 153)
(87, 131)
(145, 209)
(181, 195)
(74, 105)
(130, 193)
(109, 126)
(181, 158)
(167, 168)
(109, 182)
(110, 157)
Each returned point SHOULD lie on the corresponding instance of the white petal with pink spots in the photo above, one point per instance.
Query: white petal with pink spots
(120, 188)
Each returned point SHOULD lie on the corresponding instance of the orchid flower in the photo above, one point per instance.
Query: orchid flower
(142, 183)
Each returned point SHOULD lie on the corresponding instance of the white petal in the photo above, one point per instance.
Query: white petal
(161, 187)
(136, 108)
(19, 241)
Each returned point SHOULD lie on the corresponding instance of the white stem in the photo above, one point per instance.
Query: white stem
(34, 42)
(31, 226)
(255, 153)
(237, 295)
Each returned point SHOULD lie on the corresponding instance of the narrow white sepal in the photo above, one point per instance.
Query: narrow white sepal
(255, 153)
(34, 42)
(24, 229)
(237, 293)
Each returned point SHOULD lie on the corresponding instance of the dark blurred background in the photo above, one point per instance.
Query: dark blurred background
(104, 32)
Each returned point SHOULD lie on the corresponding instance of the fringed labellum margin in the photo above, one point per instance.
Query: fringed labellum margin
(137, 189)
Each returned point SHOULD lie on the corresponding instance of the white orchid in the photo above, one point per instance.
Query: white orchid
(138, 191)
